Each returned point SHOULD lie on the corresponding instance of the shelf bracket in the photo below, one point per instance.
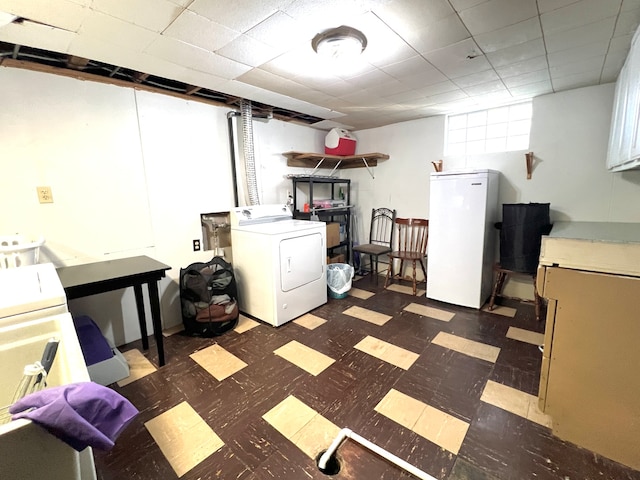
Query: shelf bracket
(364, 160)
(335, 168)
(318, 166)
(529, 161)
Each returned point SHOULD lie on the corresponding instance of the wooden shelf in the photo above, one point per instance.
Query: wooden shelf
(318, 160)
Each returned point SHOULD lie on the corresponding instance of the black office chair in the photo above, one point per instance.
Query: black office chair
(380, 238)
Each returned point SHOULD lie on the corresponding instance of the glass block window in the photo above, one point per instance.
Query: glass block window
(501, 129)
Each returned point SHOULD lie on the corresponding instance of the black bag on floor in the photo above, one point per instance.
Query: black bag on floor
(521, 230)
(209, 298)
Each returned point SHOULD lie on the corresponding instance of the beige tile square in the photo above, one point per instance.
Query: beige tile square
(367, 315)
(430, 312)
(361, 294)
(506, 398)
(387, 352)
(289, 416)
(310, 321)
(467, 347)
(443, 429)
(218, 362)
(245, 324)
(167, 332)
(526, 336)
(315, 436)
(500, 310)
(405, 289)
(184, 437)
(306, 358)
(139, 367)
(400, 408)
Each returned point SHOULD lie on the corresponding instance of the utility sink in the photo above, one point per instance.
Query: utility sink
(27, 450)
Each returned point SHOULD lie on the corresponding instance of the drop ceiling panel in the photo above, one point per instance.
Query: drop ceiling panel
(545, 6)
(116, 32)
(239, 15)
(527, 78)
(423, 56)
(61, 13)
(409, 16)
(476, 79)
(415, 65)
(441, 33)
(520, 68)
(600, 31)
(582, 52)
(495, 14)
(538, 88)
(200, 31)
(36, 35)
(517, 53)
(281, 31)
(248, 51)
(589, 65)
(452, 54)
(155, 15)
(627, 22)
(495, 86)
(577, 14)
(196, 58)
(567, 82)
(517, 34)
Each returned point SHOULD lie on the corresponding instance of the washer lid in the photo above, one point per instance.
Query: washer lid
(30, 288)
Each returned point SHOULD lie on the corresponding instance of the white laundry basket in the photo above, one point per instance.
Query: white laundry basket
(18, 251)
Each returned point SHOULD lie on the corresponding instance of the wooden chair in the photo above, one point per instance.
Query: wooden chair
(380, 238)
(412, 237)
(501, 277)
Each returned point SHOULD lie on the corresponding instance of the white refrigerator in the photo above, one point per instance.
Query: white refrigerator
(463, 209)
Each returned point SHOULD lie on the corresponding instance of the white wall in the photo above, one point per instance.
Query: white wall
(569, 137)
(132, 171)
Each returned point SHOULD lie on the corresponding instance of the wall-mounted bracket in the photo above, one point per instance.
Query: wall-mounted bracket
(529, 159)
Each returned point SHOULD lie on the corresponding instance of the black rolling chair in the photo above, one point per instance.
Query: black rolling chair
(380, 238)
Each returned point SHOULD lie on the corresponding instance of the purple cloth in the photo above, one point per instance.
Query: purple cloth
(80, 414)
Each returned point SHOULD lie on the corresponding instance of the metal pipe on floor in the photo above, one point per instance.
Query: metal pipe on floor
(348, 433)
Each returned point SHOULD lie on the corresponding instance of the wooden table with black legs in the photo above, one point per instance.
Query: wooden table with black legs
(100, 277)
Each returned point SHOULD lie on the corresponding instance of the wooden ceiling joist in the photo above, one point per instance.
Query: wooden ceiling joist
(77, 63)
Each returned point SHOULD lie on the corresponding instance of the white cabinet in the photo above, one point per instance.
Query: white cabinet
(624, 139)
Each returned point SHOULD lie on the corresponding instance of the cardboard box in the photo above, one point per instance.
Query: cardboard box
(336, 259)
(333, 235)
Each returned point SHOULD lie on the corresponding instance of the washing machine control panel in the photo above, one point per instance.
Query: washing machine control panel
(259, 214)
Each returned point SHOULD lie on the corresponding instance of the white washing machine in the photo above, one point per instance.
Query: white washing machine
(33, 309)
(280, 263)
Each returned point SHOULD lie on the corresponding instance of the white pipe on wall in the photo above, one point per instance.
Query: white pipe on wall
(348, 433)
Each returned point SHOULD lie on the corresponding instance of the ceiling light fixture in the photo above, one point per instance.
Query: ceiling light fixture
(341, 43)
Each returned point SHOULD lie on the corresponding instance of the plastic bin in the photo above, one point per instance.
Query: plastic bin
(339, 276)
(17, 251)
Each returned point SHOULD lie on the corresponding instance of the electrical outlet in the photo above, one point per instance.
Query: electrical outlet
(196, 245)
(44, 194)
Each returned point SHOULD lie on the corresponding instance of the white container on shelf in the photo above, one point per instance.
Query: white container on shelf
(18, 251)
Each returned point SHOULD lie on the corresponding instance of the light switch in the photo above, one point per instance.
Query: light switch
(44, 194)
